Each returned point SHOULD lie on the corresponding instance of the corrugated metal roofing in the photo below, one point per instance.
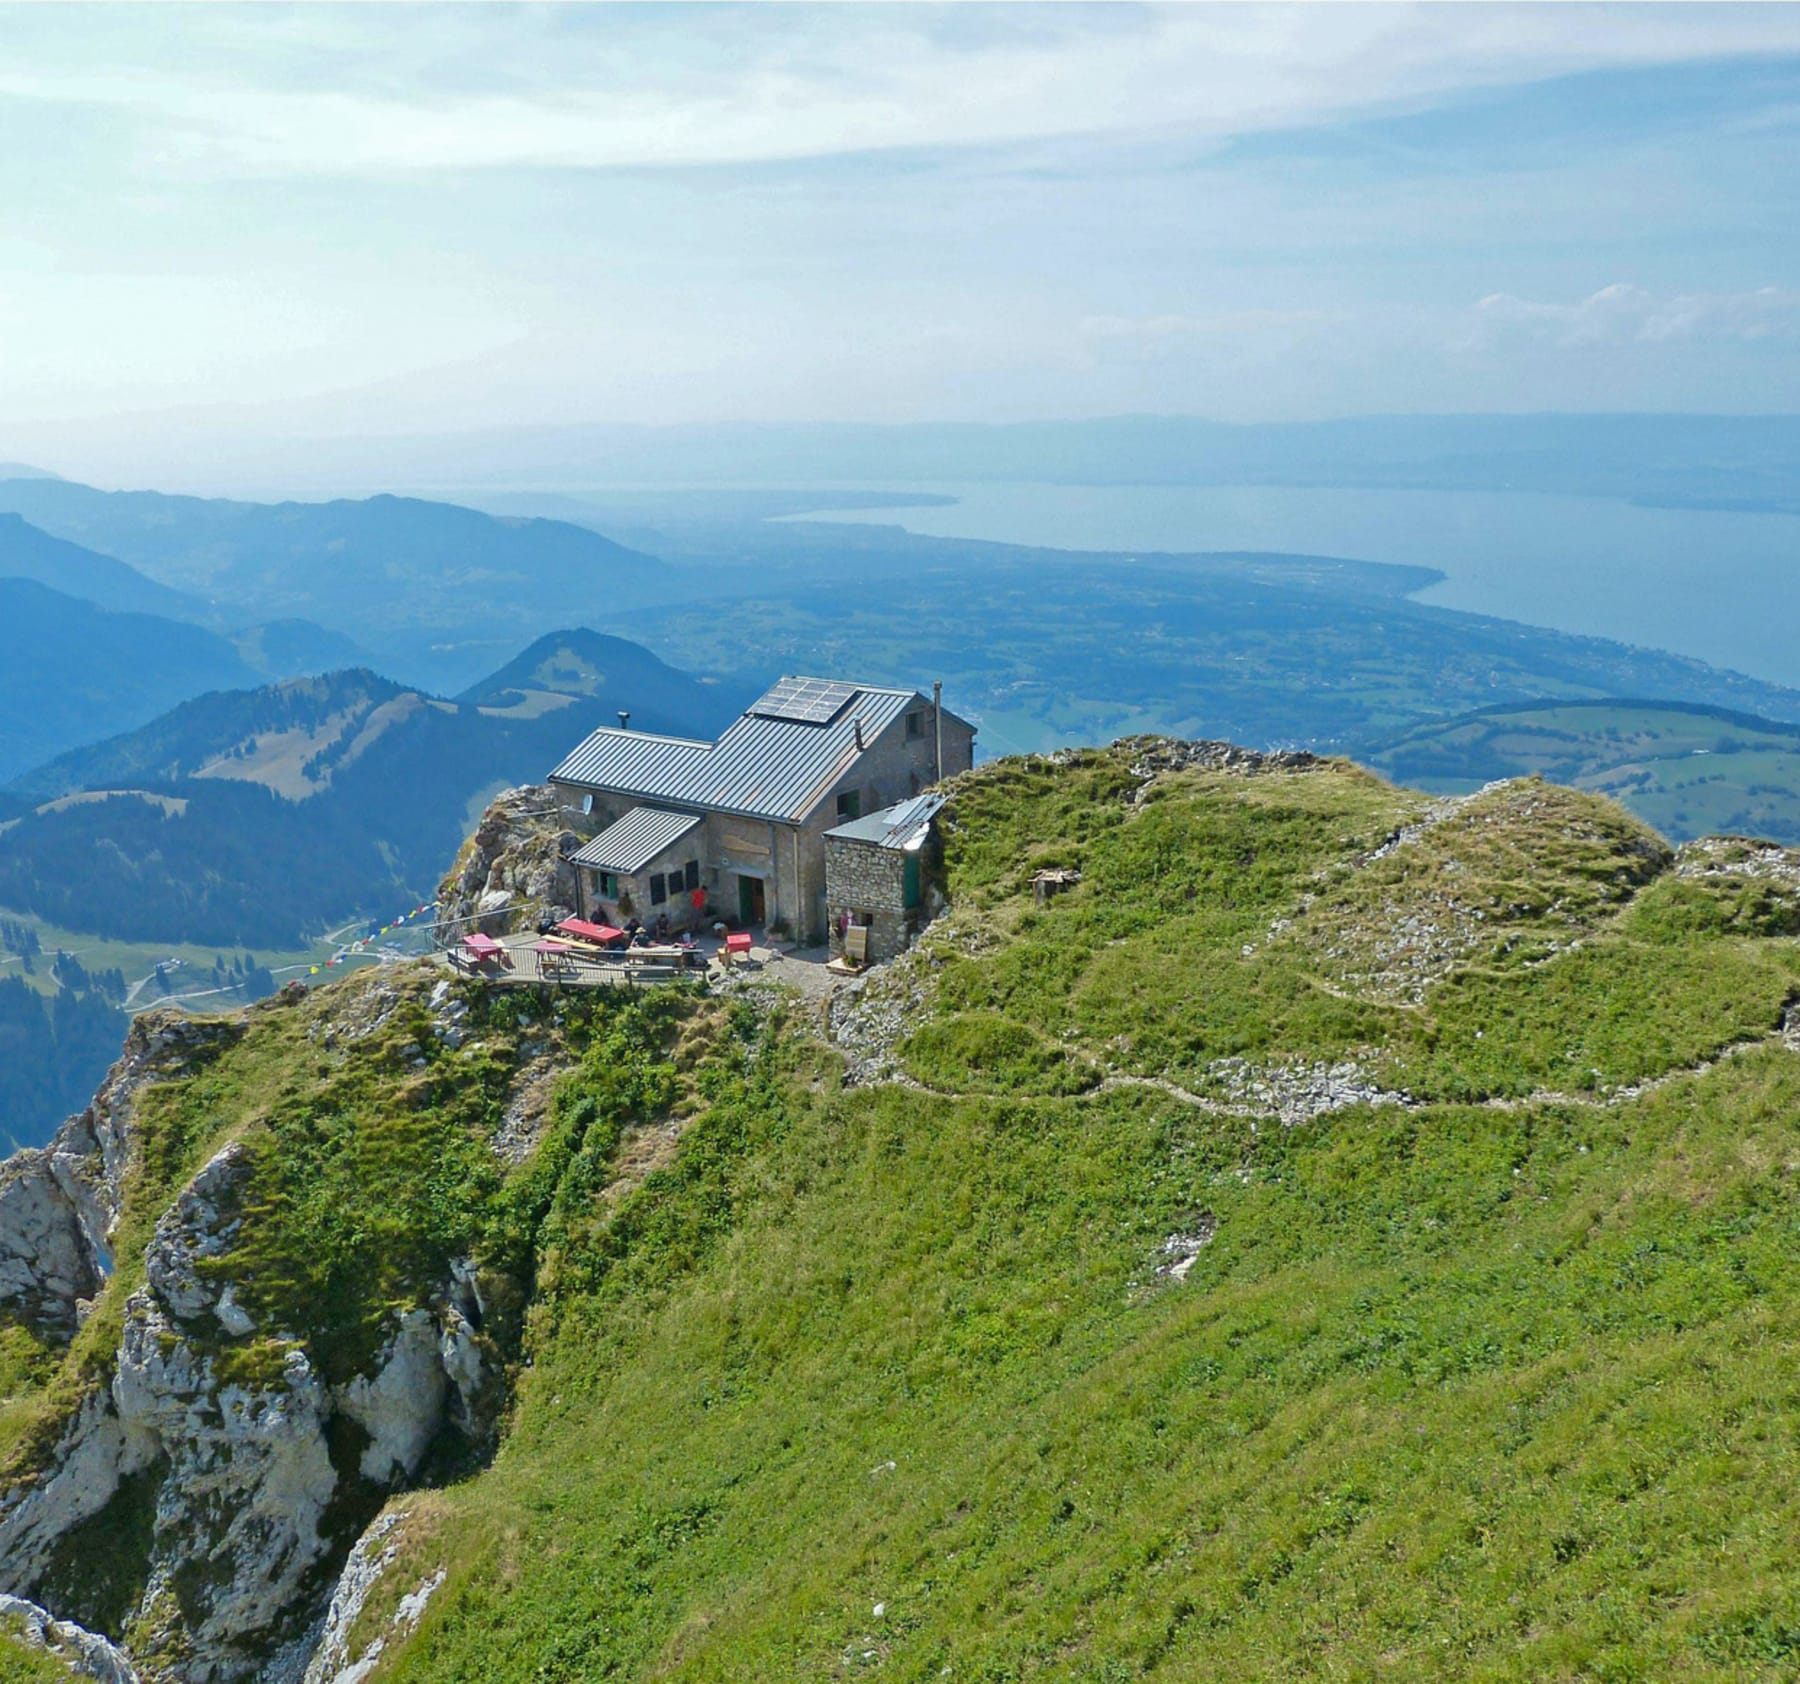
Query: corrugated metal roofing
(630, 843)
(761, 768)
(902, 826)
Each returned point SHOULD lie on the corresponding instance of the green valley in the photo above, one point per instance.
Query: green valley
(1687, 770)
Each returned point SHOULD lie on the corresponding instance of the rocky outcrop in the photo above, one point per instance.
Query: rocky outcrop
(84, 1654)
(372, 1557)
(1151, 757)
(201, 1224)
(240, 1515)
(48, 1263)
(514, 871)
(236, 1427)
(60, 1204)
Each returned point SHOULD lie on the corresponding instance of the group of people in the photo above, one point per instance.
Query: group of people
(636, 932)
(660, 934)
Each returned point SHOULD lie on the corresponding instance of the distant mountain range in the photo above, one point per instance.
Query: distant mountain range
(28, 552)
(259, 817)
(73, 671)
(434, 591)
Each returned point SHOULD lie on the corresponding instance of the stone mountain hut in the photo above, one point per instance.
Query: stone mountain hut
(736, 830)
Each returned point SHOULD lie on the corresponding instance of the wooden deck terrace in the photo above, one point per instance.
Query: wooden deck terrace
(579, 966)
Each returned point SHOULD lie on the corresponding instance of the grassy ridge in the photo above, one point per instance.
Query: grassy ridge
(1480, 1370)
(1452, 1390)
(1460, 1394)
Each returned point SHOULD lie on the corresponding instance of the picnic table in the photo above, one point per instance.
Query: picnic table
(603, 935)
(484, 950)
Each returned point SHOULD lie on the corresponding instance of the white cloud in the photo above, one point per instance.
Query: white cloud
(332, 91)
(1625, 314)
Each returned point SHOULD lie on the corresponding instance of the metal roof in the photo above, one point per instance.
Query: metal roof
(903, 826)
(630, 843)
(761, 768)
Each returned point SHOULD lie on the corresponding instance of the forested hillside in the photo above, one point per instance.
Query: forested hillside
(257, 817)
(1345, 1234)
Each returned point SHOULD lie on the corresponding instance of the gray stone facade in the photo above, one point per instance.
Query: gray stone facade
(772, 872)
(878, 887)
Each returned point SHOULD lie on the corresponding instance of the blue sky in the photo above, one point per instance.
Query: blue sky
(267, 220)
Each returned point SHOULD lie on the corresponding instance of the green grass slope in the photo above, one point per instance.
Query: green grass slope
(899, 1378)
(1690, 771)
(1346, 1235)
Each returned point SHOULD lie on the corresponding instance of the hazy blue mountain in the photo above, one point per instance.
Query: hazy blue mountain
(622, 674)
(399, 575)
(296, 649)
(24, 470)
(74, 672)
(262, 815)
(27, 552)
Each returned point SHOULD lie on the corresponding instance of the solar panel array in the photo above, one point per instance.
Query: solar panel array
(806, 701)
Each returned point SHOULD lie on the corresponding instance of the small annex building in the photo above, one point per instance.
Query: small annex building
(876, 873)
(735, 830)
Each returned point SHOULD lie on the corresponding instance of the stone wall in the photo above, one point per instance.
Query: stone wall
(636, 887)
(866, 884)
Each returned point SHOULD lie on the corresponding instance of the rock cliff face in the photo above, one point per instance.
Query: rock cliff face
(514, 870)
(59, 1204)
(210, 1460)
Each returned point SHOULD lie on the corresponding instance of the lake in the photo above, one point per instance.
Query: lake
(1715, 585)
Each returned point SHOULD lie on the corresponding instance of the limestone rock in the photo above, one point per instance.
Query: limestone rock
(48, 1264)
(240, 1511)
(370, 1559)
(400, 1406)
(59, 1204)
(514, 870)
(82, 1652)
(249, 1506)
(201, 1223)
(80, 1476)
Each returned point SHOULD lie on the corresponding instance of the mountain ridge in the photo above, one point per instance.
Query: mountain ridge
(400, 576)
(74, 669)
(266, 812)
(1388, 1304)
